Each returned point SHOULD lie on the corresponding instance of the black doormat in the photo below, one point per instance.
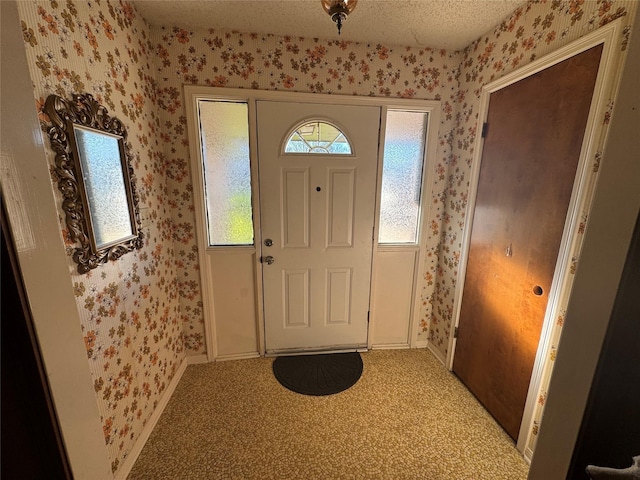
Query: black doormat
(323, 374)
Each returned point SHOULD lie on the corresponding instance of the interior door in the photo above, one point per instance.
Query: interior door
(317, 217)
(534, 133)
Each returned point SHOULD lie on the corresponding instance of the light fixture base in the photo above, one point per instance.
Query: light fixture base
(339, 10)
(338, 18)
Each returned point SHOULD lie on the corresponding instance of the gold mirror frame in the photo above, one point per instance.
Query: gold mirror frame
(71, 120)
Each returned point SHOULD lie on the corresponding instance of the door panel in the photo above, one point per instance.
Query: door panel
(340, 210)
(296, 297)
(531, 151)
(295, 207)
(318, 209)
(338, 296)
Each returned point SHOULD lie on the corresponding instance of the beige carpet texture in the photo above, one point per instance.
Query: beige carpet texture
(406, 418)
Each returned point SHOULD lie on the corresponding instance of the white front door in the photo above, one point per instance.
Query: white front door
(317, 214)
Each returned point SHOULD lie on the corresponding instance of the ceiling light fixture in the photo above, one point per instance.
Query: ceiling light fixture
(338, 10)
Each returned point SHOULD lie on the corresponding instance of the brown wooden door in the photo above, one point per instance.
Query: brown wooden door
(531, 150)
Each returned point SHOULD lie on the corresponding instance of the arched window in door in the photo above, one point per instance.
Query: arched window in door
(318, 137)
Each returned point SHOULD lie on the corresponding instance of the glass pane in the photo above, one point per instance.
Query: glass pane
(402, 176)
(227, 172)
(104, 185)
(318, 137)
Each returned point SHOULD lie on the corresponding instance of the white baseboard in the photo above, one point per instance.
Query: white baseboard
(421, 344)
(128, 463)
(437, 353)
(197, 359)
(390, 346)
(528, 455)
(237, 356)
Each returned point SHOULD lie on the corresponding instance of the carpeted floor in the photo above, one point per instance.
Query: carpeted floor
(406, 418)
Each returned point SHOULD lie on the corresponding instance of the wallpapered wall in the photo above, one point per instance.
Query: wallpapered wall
(140, 315)
(267, 62)
(532, 31)
(129, 309)
(241, 60)
(538, 28)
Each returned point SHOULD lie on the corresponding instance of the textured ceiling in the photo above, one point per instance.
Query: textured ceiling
(449, 24)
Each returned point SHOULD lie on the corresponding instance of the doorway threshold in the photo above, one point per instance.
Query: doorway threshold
(316, 350)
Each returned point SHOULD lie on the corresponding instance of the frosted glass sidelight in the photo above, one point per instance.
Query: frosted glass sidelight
(318, 137)
(224, 130)
(404, 148)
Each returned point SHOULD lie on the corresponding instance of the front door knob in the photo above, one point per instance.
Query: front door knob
(268, 259)
(268, 242)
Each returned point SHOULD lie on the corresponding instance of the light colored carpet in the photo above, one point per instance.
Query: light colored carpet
(406, 418)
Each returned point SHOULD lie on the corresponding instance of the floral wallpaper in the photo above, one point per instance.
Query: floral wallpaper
(142, 314)
(129, 309)
(268, 62)
(241, 60)
(245, 60)
(533, 30)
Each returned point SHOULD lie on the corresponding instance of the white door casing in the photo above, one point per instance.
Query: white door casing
(318, 210)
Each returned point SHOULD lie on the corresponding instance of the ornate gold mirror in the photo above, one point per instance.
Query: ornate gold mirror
(95, 177)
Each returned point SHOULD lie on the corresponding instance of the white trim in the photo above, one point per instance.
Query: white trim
(312, 351)
(318, 350)
(134, 453)
(428, 176)
(197, 359)
(580, 201)
(257, 226)
(528, 454)
(238, 356)
(398, 247)
(602, 259)
(195, 93)
(436, 352)
(376, 247)
(197, 181)
(474, 176)
(391, 346)
(561, 283)
(231, 249)
(421, 344)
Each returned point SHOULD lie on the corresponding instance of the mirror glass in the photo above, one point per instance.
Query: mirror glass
(103, 175)
(93, 168)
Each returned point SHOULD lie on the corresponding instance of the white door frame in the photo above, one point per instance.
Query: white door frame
(195, 93)
(604, 89)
